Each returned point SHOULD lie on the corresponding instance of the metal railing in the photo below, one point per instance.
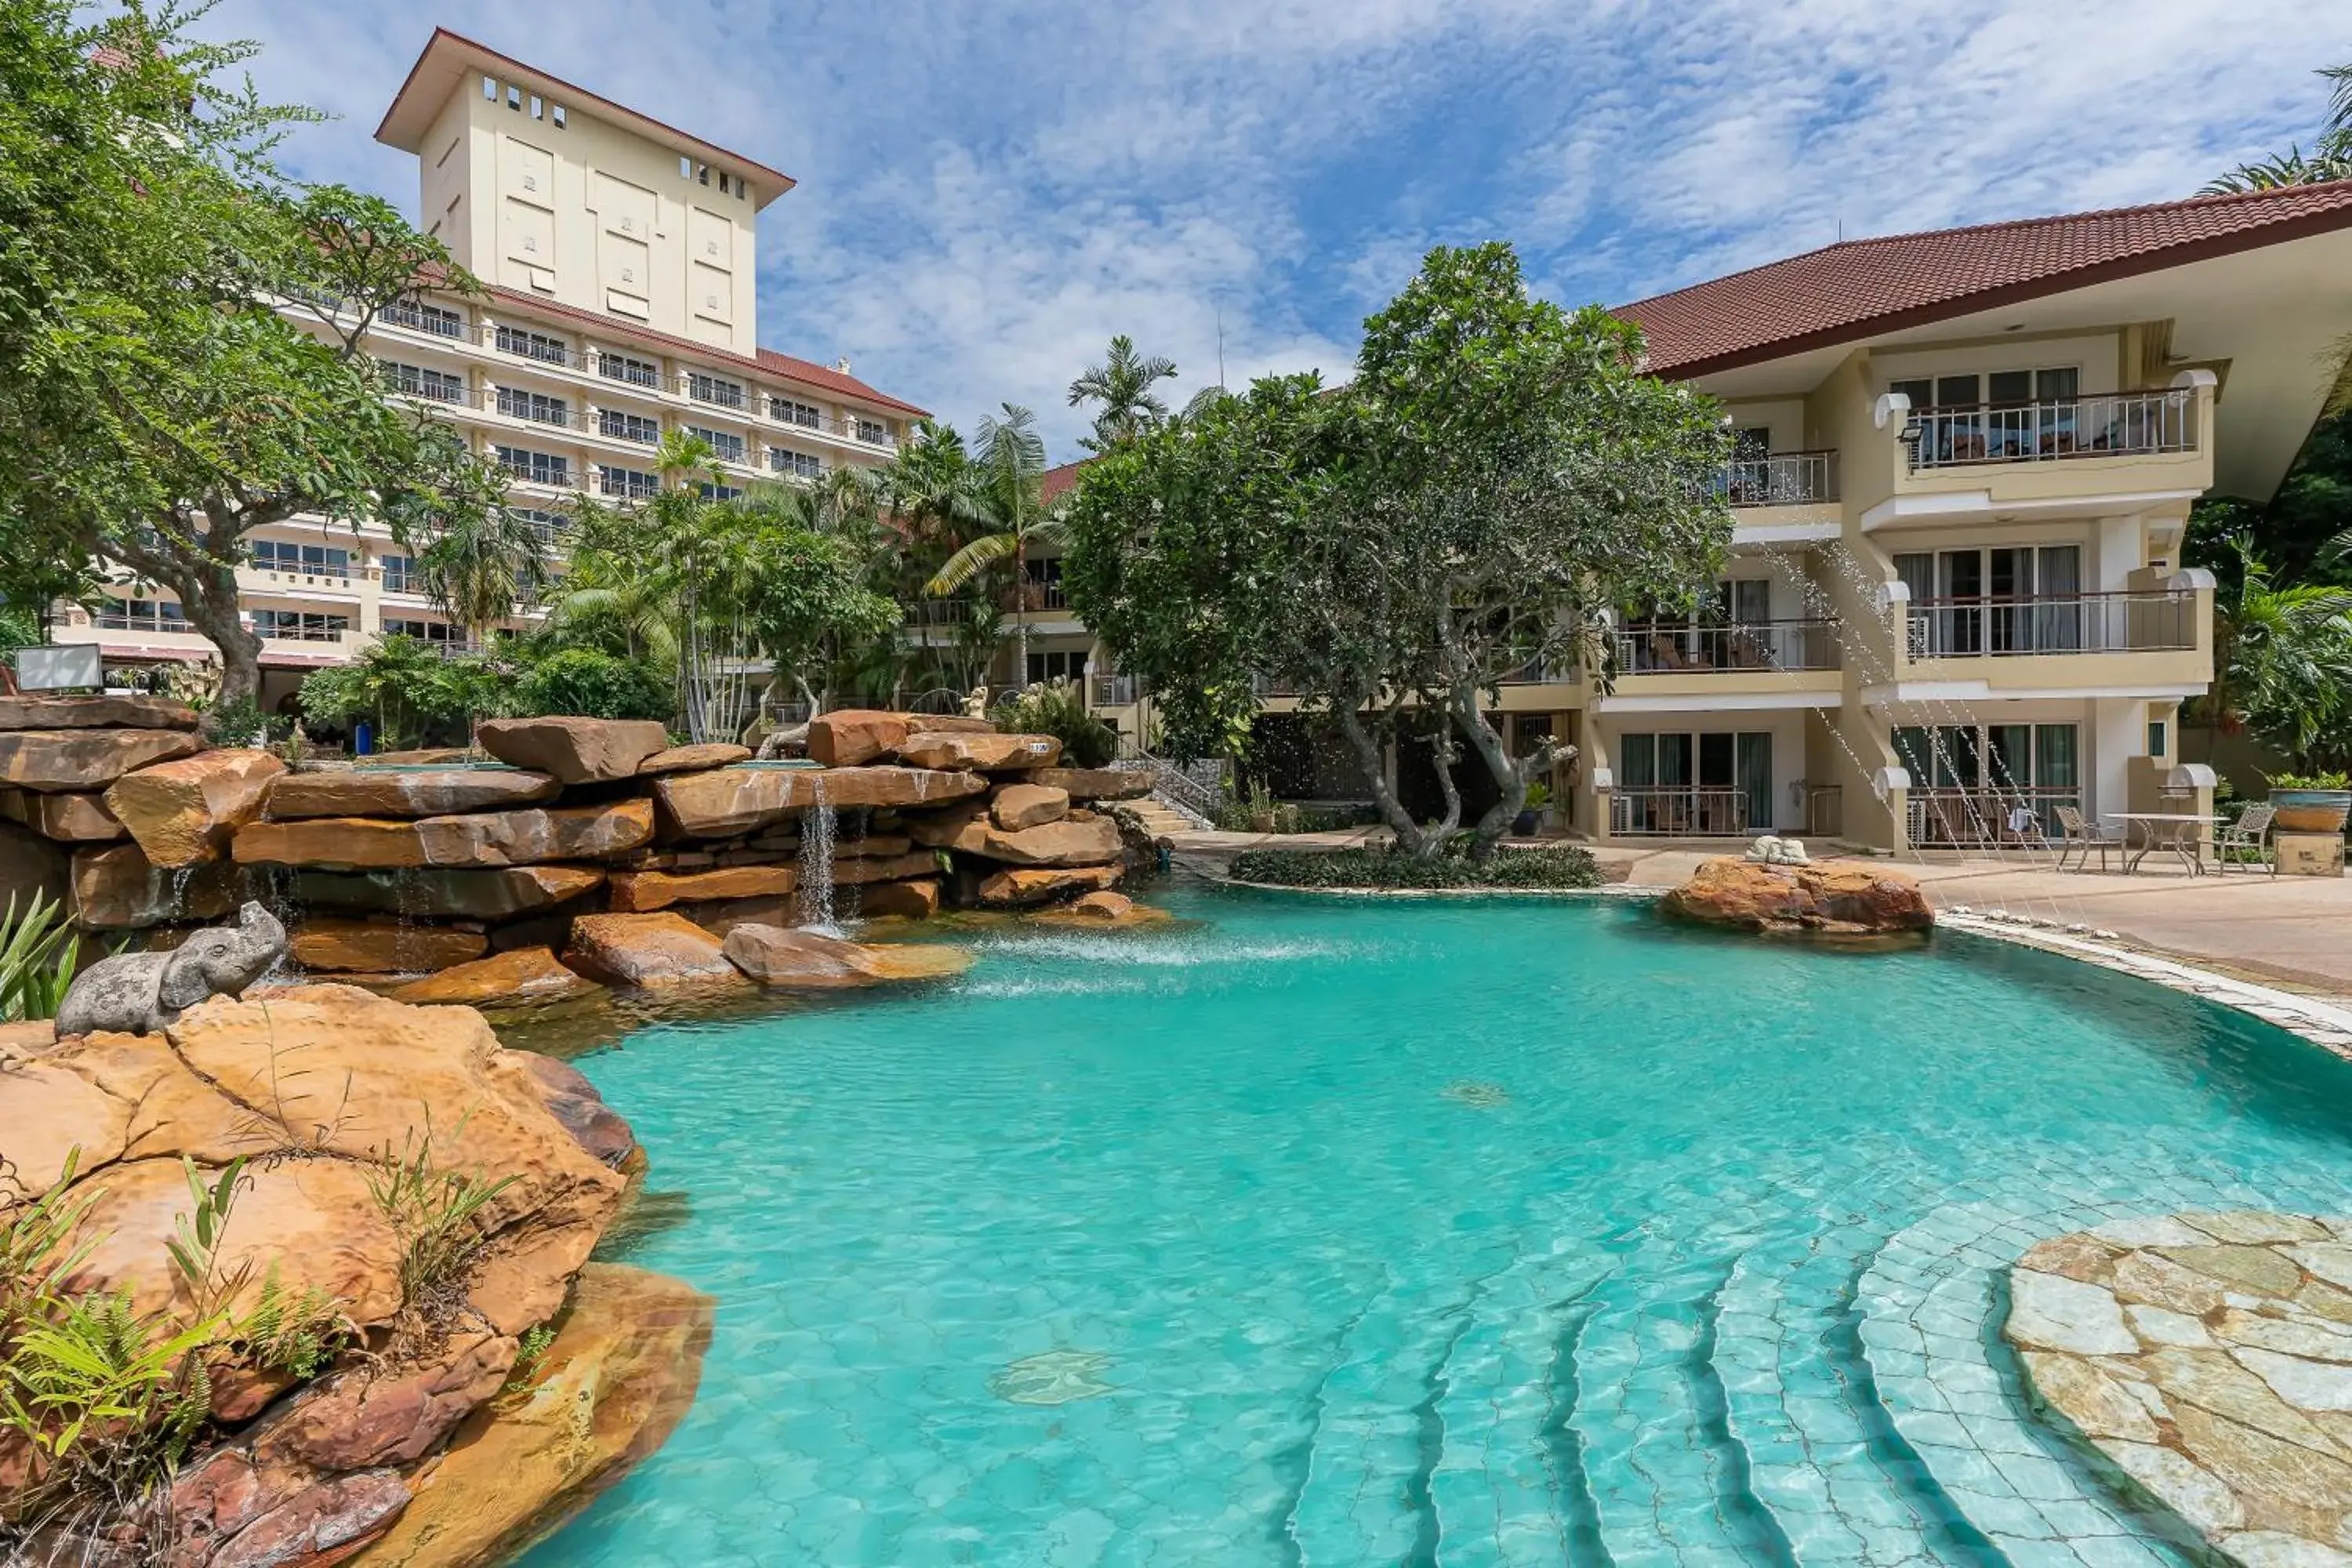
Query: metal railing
(2163, 619)
(1781, 479)
(1678, 811)
(1962, 815)
(532, 408)
(1115, 690)
(2122, 423)
(1689, 649)
(418, 319)
(523, 343)
(107, 621)
(1542, 671)
(304, 634)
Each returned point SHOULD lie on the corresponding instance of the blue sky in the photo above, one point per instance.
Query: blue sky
(987, 192)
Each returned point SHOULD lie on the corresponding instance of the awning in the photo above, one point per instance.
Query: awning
(148, 653)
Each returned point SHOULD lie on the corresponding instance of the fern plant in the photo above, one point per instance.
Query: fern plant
(33, 1253)
(40, 952)
(296, 1333)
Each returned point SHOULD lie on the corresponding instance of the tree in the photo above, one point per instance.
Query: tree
(2283, 663)
(157, 400)
(1010, 503)
(407, 689)
(2330, 157)
(1498, 476)
(476, 567)
(1122, 385)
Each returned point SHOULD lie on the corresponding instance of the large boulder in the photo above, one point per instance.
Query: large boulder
(983, 752)
(115, 888)
(848, 737)
(84, 759)
(140, 992)
(911, 900)
(1081, 840)
(810, 960)
(1834, 897)
(1017, 887)
(1105, 911)
(575, 751)
(404, 792)
(384, 947)
(642, 891)
(531, 835)
(33, 867)
(183, 811)
(647, 950)
(115, 710)
(1018, 805)
(1094, 784)
(485, 895)
(693, 759)
(622, 1371)
(525, 976)
(732, 801)
(72, 818)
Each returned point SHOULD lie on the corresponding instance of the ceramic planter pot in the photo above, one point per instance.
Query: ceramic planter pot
(2311, 810)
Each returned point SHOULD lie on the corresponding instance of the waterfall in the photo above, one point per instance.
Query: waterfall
(816, 860)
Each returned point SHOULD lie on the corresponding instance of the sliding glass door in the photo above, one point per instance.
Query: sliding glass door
(1698, 784)
(1995, 599)
(1989, 783)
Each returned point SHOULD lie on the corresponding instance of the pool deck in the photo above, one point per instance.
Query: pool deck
(2294, 933)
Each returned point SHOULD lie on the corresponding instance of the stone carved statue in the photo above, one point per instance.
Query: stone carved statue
(976, 702)
(141, 993)
(1773, 850)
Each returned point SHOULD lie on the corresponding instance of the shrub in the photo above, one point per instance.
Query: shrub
(595, 685)
(1059, 709)
(2309, 781)
(411, 693)
(1566, 865)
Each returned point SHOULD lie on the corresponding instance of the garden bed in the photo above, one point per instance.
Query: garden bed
(1564, 868)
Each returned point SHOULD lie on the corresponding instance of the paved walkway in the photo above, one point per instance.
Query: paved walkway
(2294, 932)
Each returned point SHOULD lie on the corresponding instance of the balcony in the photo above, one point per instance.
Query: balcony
(2134, 424)
(1953, 816)
(1782, 478)
(2163, 621)
(1743, 648)
(1115, 690)
(1677, 811)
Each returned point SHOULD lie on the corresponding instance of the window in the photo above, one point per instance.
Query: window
(2008, 599)
(799, 465)
(716, 389)
(786, 410)
(521, 404)
(312, 560)
(723, 492)
(491, 89)
(1986, 782)
(630, 484)
(1708, 782)
(424, 318)
(142, 615)
(301, 625)
(685, 168)
(537, 110)
(621, 367)
(401, 576)
(873, 432)
(730, 447)
(1045, 585)
(547, 526)
(533, 345)
(421, 381)
(538, 467)
(624, 426)
(1060, 664)
(514, 97)
(2155, 737)
(425, 631)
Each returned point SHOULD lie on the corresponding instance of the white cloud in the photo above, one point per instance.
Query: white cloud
(988, 193)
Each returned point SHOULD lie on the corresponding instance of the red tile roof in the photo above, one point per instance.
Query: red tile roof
(809, 373)
(1861, 287)
(1058, 481)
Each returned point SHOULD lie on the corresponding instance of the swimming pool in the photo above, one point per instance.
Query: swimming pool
(1336, 1232)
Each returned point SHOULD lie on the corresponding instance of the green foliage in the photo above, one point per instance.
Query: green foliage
(1564, 866)
(236, 723)
(1539, 795)
(529, 1351)
(296, 1334)
(408, 690)
(2330, 159)
(1122, 385)
(131, 1381)
(1496, 477)
(196, 1235)
(1059, 709)
(2283, 662)
(433, 1213)
(477, 565)
(34, 1255)
(40, 953)
(2333, 780)
(596, 685)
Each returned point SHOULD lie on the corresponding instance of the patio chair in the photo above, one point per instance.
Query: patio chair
(2250, 831)
(2083, 836)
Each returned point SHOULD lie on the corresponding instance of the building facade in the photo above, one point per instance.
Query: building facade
(1955, 602)
(618, 260)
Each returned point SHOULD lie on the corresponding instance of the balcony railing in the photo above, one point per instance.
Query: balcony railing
(106, 621)
(2131, 424)
(1699, 650)
(1979, 816)
(524, 343)
(1678, 811)
(1783, 478)
(2080, 623)
(1115, 690)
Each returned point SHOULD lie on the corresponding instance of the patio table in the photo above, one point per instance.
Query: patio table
(2173, 830)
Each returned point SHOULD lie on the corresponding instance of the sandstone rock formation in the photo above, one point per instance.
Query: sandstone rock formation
(693, 758)
(1018, 886)
(1105, 911)
(1094, 784)
(986, 753)
(913, 900)
(115, 888)
(183, 811)
(85, 759)
(525, 976)
(485, 895)
(1833, 897)
(807, 961)
(72, 818)
(384, 947)
(643, 890)
(525, 836)
(404, 792)
(115, 710)
(662, 949)
(574, 750)
(850, 737)
(737, 800)
(140, 992)
(1019, 805)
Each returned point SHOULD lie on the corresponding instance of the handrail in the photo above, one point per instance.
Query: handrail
(1781, 479)
(1681, 811)
(1990, 626)
(1691, 649)
(1986, 813)
(2135, 424)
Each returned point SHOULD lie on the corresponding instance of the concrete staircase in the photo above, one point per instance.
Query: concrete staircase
(1158, 818)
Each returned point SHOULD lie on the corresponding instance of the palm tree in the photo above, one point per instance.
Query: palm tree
(2330, 158)
(2282, 659)
(477, 566)
(1122, 385)
(1010, 500)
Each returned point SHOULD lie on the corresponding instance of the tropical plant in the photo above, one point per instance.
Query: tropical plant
(477, 566)
(1059, 709)
(1122, 385)
(433, 1213)
(1497, 475)
(593, 684)
(39, 954)
(2330, 157)
(1012, 475)
(930, 484)
(409, 690)
(2283, 662)
(34, 1255)
(108, 1397)
(2335, 780)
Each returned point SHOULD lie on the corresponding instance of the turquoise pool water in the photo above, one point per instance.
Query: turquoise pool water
(1432, 1233)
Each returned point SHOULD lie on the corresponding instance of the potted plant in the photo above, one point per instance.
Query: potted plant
(1531, 811)
(2311, 803)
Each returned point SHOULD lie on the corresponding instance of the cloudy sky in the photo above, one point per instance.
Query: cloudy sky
(988, 191)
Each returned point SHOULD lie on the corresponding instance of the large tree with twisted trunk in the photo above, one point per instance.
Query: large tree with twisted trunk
(1499, 474)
